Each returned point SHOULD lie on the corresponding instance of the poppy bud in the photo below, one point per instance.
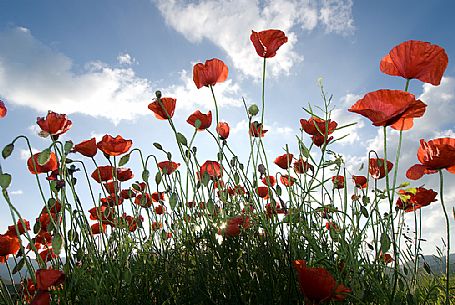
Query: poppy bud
(253, 110)
(158, 94)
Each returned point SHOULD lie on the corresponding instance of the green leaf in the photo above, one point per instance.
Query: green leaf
(145, 175)
(158, 177)
(37, 227)
(124, 159)
(173, 200)
(236, 178)
(68, 146)
(6, 152)
(44, 156)
(181, 139)
(205, 179)
(210, 206)
(278, 190)
(364, 211)
(57, 243)
(5, 180)
(19, 266)
(197, 123)
(158, 146)
(427, 267)
(385, 242)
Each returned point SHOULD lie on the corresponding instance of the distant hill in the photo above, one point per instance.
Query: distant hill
(437, 264)
(4, 275)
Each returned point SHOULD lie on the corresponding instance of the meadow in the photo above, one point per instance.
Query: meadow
(230, 230)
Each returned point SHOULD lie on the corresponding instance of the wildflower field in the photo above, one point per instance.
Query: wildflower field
(230, 230)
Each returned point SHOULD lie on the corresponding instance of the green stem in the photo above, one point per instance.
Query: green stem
(263, 91)
(441, 190)
(391, 219)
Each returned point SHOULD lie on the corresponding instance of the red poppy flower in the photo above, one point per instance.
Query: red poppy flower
(433, 155)
(111, 200)
(318, 285)
(256, 130)
(28, 290)
(376, 168)
(208, 74)
(284, 161)
(269, 180)
(393, 108)
(168, 166)
(301, 167)
(330, 225)
(271, 210)
(144, 200)
(45, 280)
(160, 209)
(124, 174)
(413, 199)
(416, 59)
(235, 224)
(49, 166)
(104, 214)
(212, 168)
(205, 119)
(156, 225)
(48, 255)
(268, 42)
(360, 181)
(86, 148)
(157, 196)
(12, 229)
(112, 186)
(103, 173)
(386, 258)
(54, 124)
(338, 182)
(316, 127)
(287, 180)
(263, 192)
(236, 190)
(114, 146)
(223, 130)
(8, 245)
(163, 108)
(3, 110)
(98, 228)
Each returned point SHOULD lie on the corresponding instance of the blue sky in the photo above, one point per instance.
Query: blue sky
(101, 62)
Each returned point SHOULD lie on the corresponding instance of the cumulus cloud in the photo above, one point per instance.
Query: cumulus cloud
(227, 94)
(24, 154)
(34, 75)
(125, 59)
(227, 24)
(343, 117)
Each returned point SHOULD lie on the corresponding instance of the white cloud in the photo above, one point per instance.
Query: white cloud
(228, 25)
(17, 192)
(190, 98)
(241, 126)
(24, 154)
(336, 15)
(343, 117)
(33, 74)
(125, 59)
